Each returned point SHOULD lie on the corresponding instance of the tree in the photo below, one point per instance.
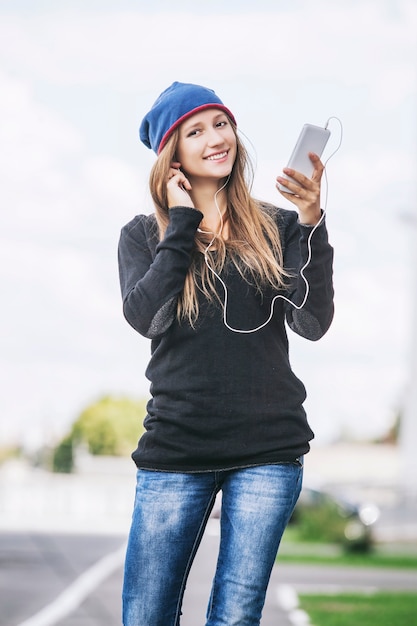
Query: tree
(63, 456)
(109, 426)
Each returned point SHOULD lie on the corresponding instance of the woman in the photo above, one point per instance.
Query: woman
(210, 279)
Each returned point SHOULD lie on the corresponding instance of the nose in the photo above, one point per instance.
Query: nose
(214, 137)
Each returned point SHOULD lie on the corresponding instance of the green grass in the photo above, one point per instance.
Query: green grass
(379, 609)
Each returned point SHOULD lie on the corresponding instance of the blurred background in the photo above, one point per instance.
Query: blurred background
(76, 79)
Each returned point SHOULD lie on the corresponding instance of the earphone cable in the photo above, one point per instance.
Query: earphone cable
(302, 270)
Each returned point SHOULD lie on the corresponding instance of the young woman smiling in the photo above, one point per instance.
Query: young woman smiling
(213, 278)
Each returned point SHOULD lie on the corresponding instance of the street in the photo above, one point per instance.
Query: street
(75, 580)
(62, 545)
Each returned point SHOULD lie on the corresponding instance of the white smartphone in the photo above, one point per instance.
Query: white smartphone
(312, 139)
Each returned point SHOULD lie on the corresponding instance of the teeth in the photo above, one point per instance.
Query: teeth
(214, 157)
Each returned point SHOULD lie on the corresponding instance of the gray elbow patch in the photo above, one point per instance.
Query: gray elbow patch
(306, 325)
(163, 319)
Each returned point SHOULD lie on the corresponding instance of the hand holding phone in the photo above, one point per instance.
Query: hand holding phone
(312, 139)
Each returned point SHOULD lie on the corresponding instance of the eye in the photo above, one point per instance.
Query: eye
(221, 124)
(194, 132)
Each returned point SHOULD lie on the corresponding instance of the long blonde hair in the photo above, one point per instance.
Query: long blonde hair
(253, 242)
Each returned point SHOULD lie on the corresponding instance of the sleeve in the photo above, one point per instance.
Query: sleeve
(152, 277)
(313, 320)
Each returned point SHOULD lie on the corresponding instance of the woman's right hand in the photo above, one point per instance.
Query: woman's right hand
(178, 187)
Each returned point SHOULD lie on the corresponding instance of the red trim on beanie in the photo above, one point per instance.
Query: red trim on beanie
(182, 119)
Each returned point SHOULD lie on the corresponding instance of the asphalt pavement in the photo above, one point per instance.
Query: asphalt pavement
(75, 580)
(62, 550)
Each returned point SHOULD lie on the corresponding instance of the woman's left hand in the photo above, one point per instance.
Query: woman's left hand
(306, 191)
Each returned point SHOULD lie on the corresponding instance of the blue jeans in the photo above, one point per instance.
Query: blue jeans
(169, 518)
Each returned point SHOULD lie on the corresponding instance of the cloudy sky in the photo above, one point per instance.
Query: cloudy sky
(76, 78)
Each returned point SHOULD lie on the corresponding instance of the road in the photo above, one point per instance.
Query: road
(62, 549)
(75, 580)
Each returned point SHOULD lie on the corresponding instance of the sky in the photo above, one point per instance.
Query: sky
(76, 78)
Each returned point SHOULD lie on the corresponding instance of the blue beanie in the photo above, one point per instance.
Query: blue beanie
(174, 105)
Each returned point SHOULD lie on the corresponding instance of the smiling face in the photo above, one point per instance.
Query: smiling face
(206, 146)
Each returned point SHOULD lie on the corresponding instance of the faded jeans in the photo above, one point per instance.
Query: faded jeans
(170, 514)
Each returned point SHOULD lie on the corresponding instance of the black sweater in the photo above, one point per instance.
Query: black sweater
(221, 399)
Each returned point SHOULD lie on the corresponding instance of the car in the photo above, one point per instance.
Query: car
(321, 516)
